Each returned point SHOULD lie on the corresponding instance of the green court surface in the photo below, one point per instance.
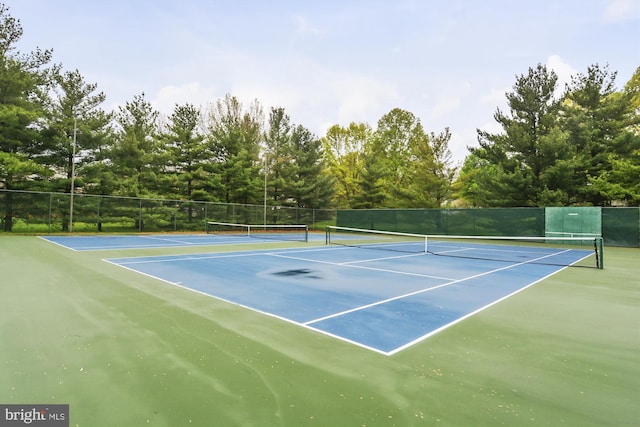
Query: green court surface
(124, 349)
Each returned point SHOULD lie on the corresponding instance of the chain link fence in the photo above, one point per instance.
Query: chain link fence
(40, 212)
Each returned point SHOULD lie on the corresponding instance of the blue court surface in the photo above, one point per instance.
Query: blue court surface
(376, 299)
(142, 241)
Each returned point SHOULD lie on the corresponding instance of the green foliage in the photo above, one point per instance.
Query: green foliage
(344, 156)
(136, 157)
(568, 151)
(186, 153)
(432, 171)
(23, 80)
(309, 186)
(73, 116)
(397, 165)
(233, 140)
(225, 154)
(579, 148)
(372, 183)
(277, 154)
(519, 156)
(394, 141)
(295, 166)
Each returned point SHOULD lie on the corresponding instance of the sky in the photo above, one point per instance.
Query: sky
(328, 62)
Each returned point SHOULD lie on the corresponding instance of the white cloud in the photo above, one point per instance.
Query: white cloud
(621, 10)
(271, 95)
(194, 93)
(495, 96)
(359, 98)
(337, 64)
(450, 100)
(461, 140)
(303, 31)
(318, 97)
(564, 71)
(304, 28)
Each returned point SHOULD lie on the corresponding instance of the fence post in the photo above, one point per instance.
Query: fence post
(98, 220)
(49, 221)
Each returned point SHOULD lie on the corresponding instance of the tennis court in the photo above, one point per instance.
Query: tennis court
(124, 348)
(383, 300)
(147, 241)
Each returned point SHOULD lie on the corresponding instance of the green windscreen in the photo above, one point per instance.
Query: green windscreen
(573, 221)
(621, 226)
(472, 222)
(618, 226)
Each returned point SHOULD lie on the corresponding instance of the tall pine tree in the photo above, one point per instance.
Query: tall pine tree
(514, 162)
(24, 83)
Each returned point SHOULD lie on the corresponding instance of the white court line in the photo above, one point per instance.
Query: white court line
(137, 260)
(489, 248)
(155, 246)
(427, 289)
(56, 243)
(454, 250)
(309, 325)
(384, 270)
(383, 258)
(248, 307)
(234, 254)
(162, 239)
(466, 316)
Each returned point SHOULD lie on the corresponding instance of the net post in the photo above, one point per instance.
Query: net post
(306, 233)
(600, 243)
(426, 244)
(327, 239)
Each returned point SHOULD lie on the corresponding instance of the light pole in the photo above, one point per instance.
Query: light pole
(73, 172)
(264, 221)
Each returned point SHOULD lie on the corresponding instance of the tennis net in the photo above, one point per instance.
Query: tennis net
(289, 232)
(585, 251)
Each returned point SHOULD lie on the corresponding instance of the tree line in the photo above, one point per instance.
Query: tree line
(580, 147)
(55, 134)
